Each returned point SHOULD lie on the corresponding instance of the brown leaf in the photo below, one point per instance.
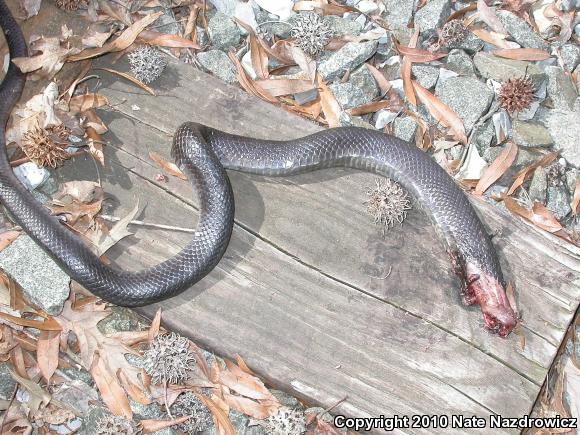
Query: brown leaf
(165, 40)
(417, 55)
(278, 87)
(441, 112)
(170, 168)
(151, 426)
(539, 215)
(531, 54)
(221, 421)
(369, 108)
(244, 383)
(249, 407)
(576, 199)
(122, 42)
(306, 64)
(38, 396)
(381, 80)
(330, 106)
(259, 57)
(82, 103)
(75, 211)
(49, 62)
(47, 353)
(249, 85)
(129, 78)
(46, 325)
(111, 391)
(104, 241)
(7, 237)
(493, 38)
(524, 173)
(497, 168)
(154, 328)
(489, 17)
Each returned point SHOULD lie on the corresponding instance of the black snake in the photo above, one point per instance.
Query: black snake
(204, 152)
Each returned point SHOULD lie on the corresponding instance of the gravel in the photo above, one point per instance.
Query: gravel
(347, 58)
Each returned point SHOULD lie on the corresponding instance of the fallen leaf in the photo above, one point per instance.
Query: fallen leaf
(472, 165)
(221, 421)
(130, 78)
(170, 168)
(111, 391)
(305, 62)
(576, 198)
(539, 215)
(406, 72)
(249, 85)
(369, 108)
(166, 40)
(75, 211)
(531, 54)
(259, 57)
(279, 87)
(493, 38)
(249, 407)
(94, 38)
(122, 42)
(151, 426)
(379, 77)
(488, 16)
(7, 237)
(441, 112)
(104, 242)
(47, 353)
(417, 55)
(81, 190)
(523, 174)
(244, 383)
(497, 168)
(330, 106)
(38, 397)
(82, 103)
(43, 325)
(49, 62)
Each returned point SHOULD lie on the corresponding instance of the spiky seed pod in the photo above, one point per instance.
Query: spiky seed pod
(168, 359)
(113, 424)
(516, 94)
(453, 32)
(46, 146)
(388, 203)
(285, 422)
(147, 63)
(70, 5)
(311, 32)
(188, 404)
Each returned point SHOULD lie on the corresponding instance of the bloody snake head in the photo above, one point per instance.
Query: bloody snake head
(489, 294)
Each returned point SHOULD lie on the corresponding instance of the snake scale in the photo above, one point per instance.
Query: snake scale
(204, 153)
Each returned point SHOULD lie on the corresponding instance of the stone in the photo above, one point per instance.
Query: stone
(538, 186)
(245, 13)
(341, 26)
(121, 319)
(572, 176)
(499, 69)
(90, 423)
(399, 12)
(347, 120)
(43, 282)
(219, 64)
(404, 128)
(383, 118)
(347, 58)
(524, 158)
(521, 31)
(560, 88)
(460, 62)
(570, 56)
(223, 32)
(484, 136)
(31, 175)
(471, 43)
(7, 382)
(363, 79)
(558, 201)
(530, 134)
(286, 400)
(426, 75)
(348, 95)
(468, 97)
(306, 96)
(432, 15)
(530, 112)
(77, 395)
(564, 127)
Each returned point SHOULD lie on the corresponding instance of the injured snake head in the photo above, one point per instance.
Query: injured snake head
(488, 292)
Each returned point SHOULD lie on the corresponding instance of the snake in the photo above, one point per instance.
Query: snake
(204, 154)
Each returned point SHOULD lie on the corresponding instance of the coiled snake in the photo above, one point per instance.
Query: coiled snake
(204, 152)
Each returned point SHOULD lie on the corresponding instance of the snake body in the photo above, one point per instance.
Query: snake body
(204, 153)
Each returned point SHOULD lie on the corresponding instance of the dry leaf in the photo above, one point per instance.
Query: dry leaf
(493, 38)
(151, 426)
(7, 237)
(306, 64)
(47, 353)
(105, 241)
(381, 80)
(249, 407)
(330, 106)
(43, 325)
(539, 215)
(165, 40)
(170, 168)
(497, 168)
(369, 108)
(406, 72)
(523, 174)
(38, 397)
(82, 103)
(250, 86)
(75, 211)
(111, 391)
(576, 198)
(417, 55)
(154, 328)
(441, 112)
(129, 78)
(279, 87)
(81, 191)
(488, 16)
(122, 42)
(259, 57)
(49, 62)
(221, 421)
(244, 383)
(531, 54)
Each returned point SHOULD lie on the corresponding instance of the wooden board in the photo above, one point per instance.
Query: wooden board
(301, 293)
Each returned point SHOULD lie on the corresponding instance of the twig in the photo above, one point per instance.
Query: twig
(494, 108)
(146, 224)
(331, 407)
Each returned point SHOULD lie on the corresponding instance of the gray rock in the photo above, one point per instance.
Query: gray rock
(432, 15)
(223, 32)
(571, 179)
(347, 58)
(348, 95)
(560, 88)
(457, 152)
(539, 185)
(530, 112)
(484, 136)
(363, 79)
(522, 33)
(44, 284)
(150, 412)
(460, 62)
(341, 26)
(306, 97)
(347, 120)
(219, 64)
(7, 382)
(272, 26)
(77, 395)
(524, 158)
(426, 75)
(558, 201)
(286, 400)
(570, 55)
(399, 12)
(121, 319)
(404, 128)
(90, 423)
(471, 43)
(564, 127)
(499, 69)
(468, 97)
(241, 425)
(531, 134)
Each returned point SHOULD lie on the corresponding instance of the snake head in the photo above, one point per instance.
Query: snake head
(488, 292)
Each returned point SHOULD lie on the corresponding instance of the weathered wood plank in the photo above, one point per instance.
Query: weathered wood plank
(299, 293)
